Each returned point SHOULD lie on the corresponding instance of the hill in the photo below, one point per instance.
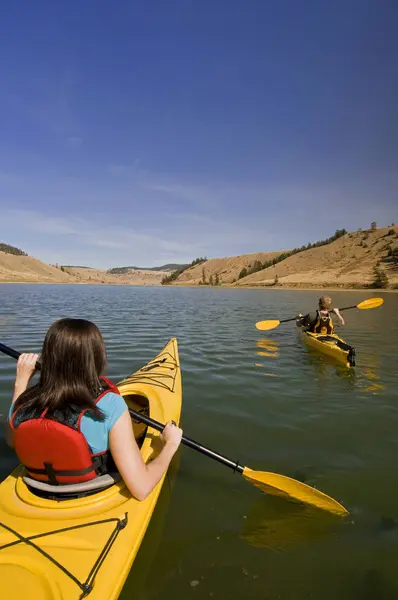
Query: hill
(227, 269)
(21, 268)
(127, 277)
(163, 268)
(345, 260)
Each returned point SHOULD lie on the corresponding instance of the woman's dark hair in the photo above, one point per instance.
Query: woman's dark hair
(72, 360)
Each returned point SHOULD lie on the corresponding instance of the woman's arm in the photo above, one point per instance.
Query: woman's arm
(139, 477)
(25, 369)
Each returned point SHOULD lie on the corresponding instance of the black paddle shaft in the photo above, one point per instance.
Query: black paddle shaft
(190, 443)
(156, 425)
(9, 351)
(295, 318)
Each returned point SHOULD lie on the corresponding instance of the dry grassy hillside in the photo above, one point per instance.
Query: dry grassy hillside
(346, 262)
(228, 269)
(132, 277)
(28, 269)
(25, 269)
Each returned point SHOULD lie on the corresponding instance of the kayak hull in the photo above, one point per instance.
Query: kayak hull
(101, 533)
(328, 347)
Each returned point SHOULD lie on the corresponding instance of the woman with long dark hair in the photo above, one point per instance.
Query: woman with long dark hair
(74, 411)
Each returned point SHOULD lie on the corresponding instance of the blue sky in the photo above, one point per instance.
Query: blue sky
(149, 131)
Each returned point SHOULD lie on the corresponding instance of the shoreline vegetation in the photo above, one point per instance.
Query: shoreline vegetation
(297, 288)
(362, 260)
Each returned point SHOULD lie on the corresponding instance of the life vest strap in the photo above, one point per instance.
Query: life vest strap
(52, 473)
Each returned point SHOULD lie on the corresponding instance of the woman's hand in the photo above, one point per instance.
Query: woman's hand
(26, 366)
(172, 435)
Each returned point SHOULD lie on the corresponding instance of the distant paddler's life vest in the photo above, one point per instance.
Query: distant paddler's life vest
(53, 449)
(323, 323)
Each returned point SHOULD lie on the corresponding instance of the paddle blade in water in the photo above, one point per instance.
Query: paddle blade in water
(370, 303)
(264, 325)
(279, 485)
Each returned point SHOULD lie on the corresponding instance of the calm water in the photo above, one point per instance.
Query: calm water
(265, 400)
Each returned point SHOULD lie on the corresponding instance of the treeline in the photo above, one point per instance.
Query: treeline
(213, 280)
(175, 274)
(11, 250)
(259, 266)
(121, 270)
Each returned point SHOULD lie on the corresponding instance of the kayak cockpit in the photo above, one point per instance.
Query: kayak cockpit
(71, 491)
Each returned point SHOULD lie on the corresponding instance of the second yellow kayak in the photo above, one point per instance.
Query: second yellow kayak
(84, 547)
(332, 345)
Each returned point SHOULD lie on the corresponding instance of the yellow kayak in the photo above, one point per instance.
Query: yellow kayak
(84, 547)
(332, 345)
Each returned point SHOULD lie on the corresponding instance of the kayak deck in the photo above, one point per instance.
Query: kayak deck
(330, 345)
(71, 549)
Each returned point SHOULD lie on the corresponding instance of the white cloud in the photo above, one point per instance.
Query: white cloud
(80, 237)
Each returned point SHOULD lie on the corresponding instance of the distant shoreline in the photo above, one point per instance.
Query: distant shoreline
(225, 286)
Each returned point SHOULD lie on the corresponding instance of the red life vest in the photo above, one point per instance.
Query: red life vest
(53, 449)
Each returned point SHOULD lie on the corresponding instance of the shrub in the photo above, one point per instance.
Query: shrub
(380, 278)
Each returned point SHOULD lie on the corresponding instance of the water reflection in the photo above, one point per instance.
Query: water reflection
(268, 526)
(368, 380)
(268, 348)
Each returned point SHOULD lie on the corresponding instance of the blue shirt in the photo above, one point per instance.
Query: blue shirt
(97, 432)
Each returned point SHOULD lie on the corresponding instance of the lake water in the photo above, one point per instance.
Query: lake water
(262, 399)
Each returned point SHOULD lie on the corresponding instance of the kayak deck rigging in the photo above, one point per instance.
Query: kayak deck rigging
(166, 361)
(88, 584)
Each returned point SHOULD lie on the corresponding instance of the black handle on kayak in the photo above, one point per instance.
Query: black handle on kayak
(155, 425)
(189, 442)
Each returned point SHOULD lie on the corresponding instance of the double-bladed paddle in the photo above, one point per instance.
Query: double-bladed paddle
(270, 483)
(271, 324)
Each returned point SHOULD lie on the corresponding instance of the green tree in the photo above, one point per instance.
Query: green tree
(243, 273)
(217, 279)
(211, 280)
(380, 278)
(276, 280)
(11, 250)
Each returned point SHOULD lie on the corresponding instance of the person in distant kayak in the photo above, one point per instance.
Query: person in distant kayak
(321, 321)
(75, 412)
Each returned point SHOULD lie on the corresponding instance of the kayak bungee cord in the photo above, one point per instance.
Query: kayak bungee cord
(88, 584)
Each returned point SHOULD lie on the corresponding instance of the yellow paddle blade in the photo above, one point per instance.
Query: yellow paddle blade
(264, 325)
(280, 485)
(371, 303)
